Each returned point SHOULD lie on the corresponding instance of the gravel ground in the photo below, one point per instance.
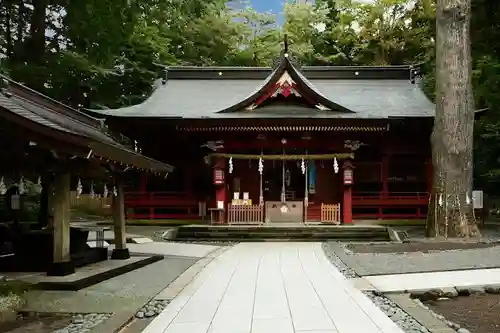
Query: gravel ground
(475, 313)
(152, 309)
(83, 323)
(415, 262)
(406, 322)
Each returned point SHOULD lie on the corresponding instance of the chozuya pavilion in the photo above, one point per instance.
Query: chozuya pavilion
(283, 144)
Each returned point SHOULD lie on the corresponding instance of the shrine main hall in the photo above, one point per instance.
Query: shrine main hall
(284, 144)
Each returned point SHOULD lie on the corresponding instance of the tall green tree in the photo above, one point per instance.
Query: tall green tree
(450, 205)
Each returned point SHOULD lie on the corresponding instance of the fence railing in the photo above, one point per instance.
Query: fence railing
(245, 214)
(330, 213)
(91, 204)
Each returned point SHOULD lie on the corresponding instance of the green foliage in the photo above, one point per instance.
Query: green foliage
(15, 287)
(108, 53)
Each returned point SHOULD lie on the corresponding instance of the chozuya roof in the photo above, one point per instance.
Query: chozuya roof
(285, 91)
(48, 117)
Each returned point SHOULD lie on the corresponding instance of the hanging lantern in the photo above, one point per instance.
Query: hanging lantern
(303, 167)
(21, 185)
(335, 165)
(79, 188)
(92, 193)
(230, 165)
(105, 192)
(115, 191)
(261, 165)
(3, 188)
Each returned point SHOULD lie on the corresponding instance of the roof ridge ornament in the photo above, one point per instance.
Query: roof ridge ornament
(286, 55)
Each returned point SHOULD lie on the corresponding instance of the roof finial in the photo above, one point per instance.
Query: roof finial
(285, 40)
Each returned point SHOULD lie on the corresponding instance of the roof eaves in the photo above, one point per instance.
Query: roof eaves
(110, 149)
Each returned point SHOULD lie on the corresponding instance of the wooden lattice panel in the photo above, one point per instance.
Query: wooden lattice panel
(245, 214)
(330, 213)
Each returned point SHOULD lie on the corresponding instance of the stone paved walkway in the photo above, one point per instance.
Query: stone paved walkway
(271, 287)
(415, 281)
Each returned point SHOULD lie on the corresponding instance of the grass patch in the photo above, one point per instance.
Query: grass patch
(14, 287)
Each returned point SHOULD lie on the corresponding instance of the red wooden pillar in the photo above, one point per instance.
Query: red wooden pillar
(219, 175)
(384, 175)
(347, 209)
(143, 192)
(348, 180)
(143, 182)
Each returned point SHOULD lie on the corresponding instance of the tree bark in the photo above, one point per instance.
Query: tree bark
(451, 212)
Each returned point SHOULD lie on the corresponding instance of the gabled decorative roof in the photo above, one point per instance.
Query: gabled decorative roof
(50, 118)
(284, 81)
(285, 91)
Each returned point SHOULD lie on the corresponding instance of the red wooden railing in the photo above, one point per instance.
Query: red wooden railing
(161, 205)
(406, 205)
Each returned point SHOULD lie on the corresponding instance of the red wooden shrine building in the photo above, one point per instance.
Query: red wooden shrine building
(283, 143)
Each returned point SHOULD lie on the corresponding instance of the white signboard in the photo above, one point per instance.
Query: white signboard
(220, 204)
(477, 199)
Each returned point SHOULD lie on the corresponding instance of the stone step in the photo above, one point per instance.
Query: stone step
(299, 232)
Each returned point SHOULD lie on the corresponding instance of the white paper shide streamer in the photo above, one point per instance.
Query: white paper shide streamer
(3, 188)
(79, 188)
(335, 166)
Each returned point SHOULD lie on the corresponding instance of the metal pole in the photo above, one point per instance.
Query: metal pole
(306, 194)
(283, 195)
(306, 191)
(261, 196)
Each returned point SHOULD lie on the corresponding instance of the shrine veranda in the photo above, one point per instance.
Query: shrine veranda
(284, 144)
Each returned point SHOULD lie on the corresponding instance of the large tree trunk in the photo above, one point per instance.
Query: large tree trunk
(450, 208)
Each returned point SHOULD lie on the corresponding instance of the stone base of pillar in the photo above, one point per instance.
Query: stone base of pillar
(61, 268)
(120, 254)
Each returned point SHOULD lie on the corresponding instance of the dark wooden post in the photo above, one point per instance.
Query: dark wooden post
(62, 264)
(45, 217)
(120, 251)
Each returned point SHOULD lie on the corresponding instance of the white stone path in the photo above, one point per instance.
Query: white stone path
(415, 281)
(271, 288)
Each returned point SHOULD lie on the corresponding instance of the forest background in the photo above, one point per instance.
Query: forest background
(94, 53)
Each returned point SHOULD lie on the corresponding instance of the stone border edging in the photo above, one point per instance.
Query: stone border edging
(452, 292)
(420, 314)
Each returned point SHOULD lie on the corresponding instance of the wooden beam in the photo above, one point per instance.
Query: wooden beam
(120, 251)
